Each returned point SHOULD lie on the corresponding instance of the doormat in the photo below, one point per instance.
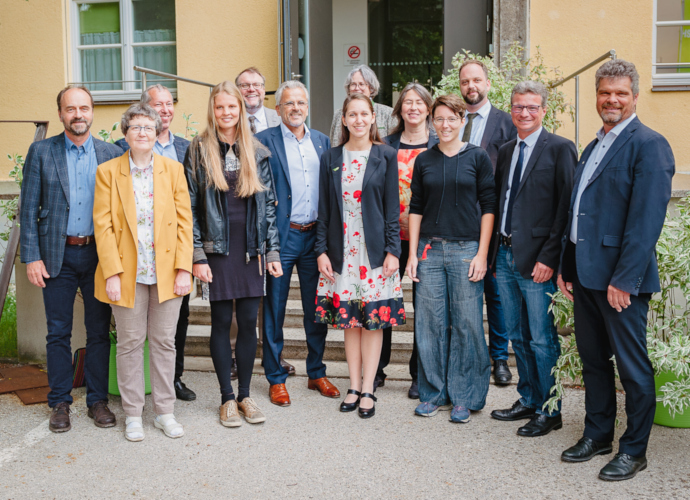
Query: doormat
(23, 377)
(33, 396)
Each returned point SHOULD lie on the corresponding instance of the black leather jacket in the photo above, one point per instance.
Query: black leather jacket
(209, 209)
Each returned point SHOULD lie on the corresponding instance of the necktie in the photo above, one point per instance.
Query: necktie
(468, 127)
(514, 187)
(252, 124)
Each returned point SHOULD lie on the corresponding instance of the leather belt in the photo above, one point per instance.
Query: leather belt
(80, 240)
(303, 227)
(506, 241)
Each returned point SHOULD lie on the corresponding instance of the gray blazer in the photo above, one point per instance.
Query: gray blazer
(385, 121)
(45, 200)
(272, 117)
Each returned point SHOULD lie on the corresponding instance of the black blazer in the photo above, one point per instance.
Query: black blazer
(540, 212)
(380, 206)
(499, 130)
(622, 212)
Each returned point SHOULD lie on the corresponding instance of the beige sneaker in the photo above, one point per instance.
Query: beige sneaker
(228, 414)
(251, 412)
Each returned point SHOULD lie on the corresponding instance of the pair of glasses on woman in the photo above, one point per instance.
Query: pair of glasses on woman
(451, 120)
(147, 129)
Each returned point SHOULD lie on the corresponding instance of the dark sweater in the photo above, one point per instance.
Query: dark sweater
(447, 190)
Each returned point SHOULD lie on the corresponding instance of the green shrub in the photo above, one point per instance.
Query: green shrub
(8, 326)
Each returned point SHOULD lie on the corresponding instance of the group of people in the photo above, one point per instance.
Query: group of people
(474, 204)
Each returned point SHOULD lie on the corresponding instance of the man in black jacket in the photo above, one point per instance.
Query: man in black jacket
(489, 128)
(534, 180)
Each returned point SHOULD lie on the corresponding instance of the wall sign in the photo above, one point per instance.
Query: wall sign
(354, 53)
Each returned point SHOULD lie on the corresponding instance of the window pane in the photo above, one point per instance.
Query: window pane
(99, 23)
(672, 10)
(160, 57)
(101, 65)
(154, 21)
(673, 46)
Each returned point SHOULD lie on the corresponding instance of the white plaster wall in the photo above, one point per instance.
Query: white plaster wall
(350, 22)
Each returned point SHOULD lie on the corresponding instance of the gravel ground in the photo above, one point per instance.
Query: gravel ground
(310, 450)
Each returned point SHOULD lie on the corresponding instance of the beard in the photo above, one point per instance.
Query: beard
(474, 100)
(78, 126)
(295, 120)
(611, 116)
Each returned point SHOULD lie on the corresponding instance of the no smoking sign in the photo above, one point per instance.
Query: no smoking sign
(354, 53)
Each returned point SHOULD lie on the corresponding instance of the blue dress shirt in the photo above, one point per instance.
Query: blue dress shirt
(303, 162)
(81, 170)
(168, 150)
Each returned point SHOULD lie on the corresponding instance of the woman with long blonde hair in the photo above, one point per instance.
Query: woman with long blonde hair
(235, 239)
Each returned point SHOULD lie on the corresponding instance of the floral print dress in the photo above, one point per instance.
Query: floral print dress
(361, 297)
(142, 182)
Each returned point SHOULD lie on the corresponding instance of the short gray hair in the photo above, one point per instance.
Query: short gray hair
(618, 68)
(146, 94)
(138, 109)
(531, 87)
(290, 84)
(369, 77)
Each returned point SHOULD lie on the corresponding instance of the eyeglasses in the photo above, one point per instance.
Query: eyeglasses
(355, 86)
(247, 86)
(452, 120)
(298, 104)
(532, 110)
(137, 129)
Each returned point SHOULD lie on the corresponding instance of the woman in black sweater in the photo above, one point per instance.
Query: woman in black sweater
(451, 219)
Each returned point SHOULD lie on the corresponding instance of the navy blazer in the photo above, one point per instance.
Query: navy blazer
(622, 212)
(45, 200)
(499, 130)
(541, 205)
(393, 140)
(181, 146)
(272, 138)
(380, 206)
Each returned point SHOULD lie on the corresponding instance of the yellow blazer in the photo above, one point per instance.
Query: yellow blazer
(115, 227)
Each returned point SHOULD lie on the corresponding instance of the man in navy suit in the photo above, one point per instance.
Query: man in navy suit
(58, 246)
(295, 157)
(167, 144)
(622, 187)
(490, 128)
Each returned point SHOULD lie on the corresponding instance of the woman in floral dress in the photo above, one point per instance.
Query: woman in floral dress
(358, 247)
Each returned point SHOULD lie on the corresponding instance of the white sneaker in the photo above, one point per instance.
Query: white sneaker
(171, 427)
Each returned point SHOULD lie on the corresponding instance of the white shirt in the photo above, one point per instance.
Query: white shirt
(478, 124)
(261, 122)
(605, 141)
(529, 141)
(303, 163)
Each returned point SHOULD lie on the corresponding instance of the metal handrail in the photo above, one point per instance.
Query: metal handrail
(611, 54)
(170, 76)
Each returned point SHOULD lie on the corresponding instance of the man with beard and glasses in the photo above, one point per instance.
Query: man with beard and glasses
(167, 144)
(57, 244)
(295, 156)
(490, 128)
(252, 84)
(621, 191)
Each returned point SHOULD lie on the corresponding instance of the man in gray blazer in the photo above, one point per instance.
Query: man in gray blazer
(57, 244)
(252, 84)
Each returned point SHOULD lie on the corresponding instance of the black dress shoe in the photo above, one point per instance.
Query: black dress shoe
(367, 412)
(233, 369)
(182, 392)
(413, 393)
(348, 407)
(379, 382)
(585, 449)
(622, 467)
(502, 375)
(540, 425)
(516, 412)
(288, 367)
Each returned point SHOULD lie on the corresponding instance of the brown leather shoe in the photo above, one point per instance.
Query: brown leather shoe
(290, 369)
(101, 414)
(279, 395)
(324, 386)
(59, 419)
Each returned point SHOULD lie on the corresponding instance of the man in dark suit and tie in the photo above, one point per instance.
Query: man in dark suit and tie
(58, 246)
(295, 157)
(167, 144)
(534, 179)
(621, 192)
(490, 128)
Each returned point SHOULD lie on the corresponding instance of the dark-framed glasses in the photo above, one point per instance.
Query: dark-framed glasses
(148, 129)
(452, 120)
(247, 86)
(532, 110)
(292, 104)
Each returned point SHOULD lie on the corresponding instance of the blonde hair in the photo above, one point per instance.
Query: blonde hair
(248, 181)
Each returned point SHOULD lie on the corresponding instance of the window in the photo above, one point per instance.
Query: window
(671, 66)
(110, 37)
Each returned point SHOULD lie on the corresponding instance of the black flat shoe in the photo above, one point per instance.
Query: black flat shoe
(348, 407)
(367, 412)
(622, 467)
(586, 449)
(413, 393)
(516, 412)
(379, 382)
(183, 392)
(540, 425)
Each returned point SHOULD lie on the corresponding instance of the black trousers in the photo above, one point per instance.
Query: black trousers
(602, 332)
(385, 358)
(181, 337)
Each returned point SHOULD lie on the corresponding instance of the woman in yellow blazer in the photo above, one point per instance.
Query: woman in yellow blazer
(143, 228)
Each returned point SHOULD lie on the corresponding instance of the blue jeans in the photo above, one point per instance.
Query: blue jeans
(297, 250)
(498, 334)
(531, 330)
(78, 268)
(454, 365)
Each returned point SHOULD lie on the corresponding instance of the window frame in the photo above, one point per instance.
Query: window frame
(131, 90)
(667, 81)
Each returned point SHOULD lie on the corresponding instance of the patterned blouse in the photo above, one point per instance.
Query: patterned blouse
(142, 181)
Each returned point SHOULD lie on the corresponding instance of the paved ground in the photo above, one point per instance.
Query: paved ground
(310, 450)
